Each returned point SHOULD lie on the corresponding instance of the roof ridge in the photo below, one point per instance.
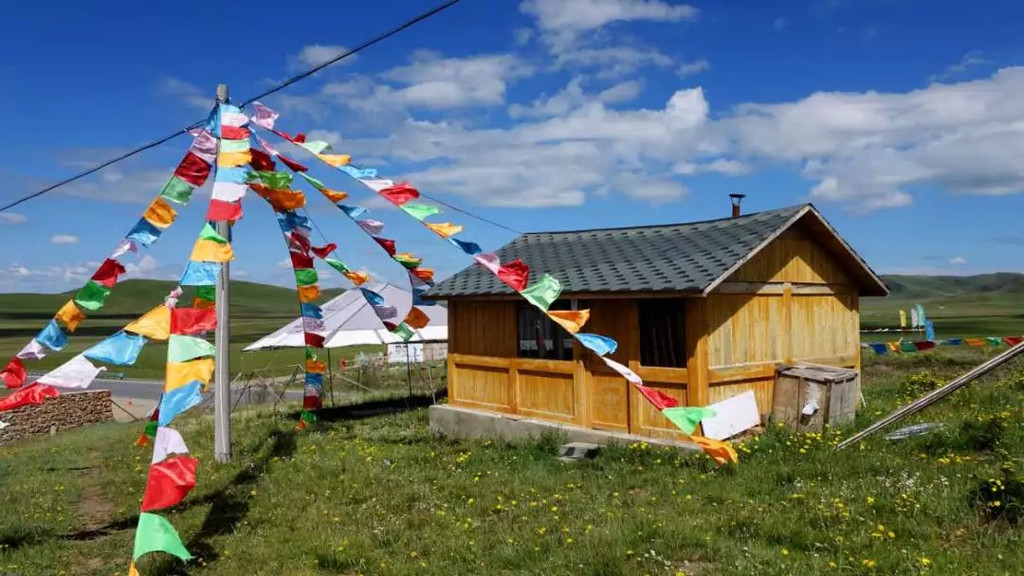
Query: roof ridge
(649, 226)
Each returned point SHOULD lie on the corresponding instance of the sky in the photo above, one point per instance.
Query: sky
(901, 120)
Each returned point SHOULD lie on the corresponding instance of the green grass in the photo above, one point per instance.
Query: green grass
(382, 495)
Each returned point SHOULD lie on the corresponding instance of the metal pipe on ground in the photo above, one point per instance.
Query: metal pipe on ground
(935, 395)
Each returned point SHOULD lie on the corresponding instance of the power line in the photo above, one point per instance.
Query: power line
(286, 83)
(470, 214)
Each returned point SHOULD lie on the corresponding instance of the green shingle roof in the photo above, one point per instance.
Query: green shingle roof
(671, 258)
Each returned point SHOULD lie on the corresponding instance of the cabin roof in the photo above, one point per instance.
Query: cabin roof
(691, 257)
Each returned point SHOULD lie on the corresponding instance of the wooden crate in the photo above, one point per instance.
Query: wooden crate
(810, 396)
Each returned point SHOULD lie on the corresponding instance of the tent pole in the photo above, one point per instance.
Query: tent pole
(330, 375)
(408, 369)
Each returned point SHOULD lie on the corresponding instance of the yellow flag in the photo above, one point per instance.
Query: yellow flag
(230, 159)
(181, 373)
(334, 195)
(357, 278)
(445, 229)
(132, 570)
(209, 251)
(316, 366)
(903, 319)
(722, 452)
(160, 213)
(70, 315)
(155, 324)
(308, 293)
(335, 159)
(571, 320)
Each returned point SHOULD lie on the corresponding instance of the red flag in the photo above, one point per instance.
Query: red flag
(299, 241)
(299, 138)
(400, 193)
(34, 394)
(108, 272)
(193, 170)
(1012, 341)
(300, 260)
(234, 133)
(516, 274)
(324, 251)
(188, 321)
(261, 161)
(314, 340)
(14, 373)
(388, 245)
(221, 210)
(924, 345)
(658, 398)
(291, 163)
(169, 482)
(312, 402)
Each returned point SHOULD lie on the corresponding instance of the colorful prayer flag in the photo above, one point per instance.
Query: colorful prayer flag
(571, 320)
(155, 324)
(14, 374)
(660, 400)
(420, 211)
(107, 273)
(211, 251)
(416, 318)
(687, 417)
(177, 190)
(70, 315)
(721, 452)
(144, 233)
(189, 321)
(398, 194)
(444, 229)
(181, 348)
(600, 345)
(52, 336)
(155, 534)
(544, 292)
(29, 395)
(308, 293)
(159, 213)
(516, 274)
(305, 276)
(168, 483)
(179, 400)
(182, 373)
(200, 274)
(220, 210)
(471, 248)
(92, 296)
(121, 349)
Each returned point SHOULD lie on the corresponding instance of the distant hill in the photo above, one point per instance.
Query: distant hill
(981, 305)
(1000, 283)
(132, 298)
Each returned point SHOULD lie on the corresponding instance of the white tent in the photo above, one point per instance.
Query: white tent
(349, 320)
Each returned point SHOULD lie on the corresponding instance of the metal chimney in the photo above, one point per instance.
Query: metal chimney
(736, 199)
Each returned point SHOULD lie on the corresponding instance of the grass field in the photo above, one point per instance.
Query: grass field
(381, 495)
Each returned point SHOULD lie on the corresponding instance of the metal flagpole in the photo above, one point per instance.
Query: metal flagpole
(222, 368)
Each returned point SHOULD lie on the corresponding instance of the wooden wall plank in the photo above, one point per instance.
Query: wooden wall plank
(697, 323)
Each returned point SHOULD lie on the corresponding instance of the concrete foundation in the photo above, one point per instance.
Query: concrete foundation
(465, 423)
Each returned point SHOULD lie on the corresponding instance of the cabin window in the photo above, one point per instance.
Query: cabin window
(538, 336)
(662, 340)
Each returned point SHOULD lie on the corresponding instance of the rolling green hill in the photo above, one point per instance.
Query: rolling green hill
(982, 305)
(132, 298)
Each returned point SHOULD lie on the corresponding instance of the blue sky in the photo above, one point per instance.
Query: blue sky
(902, 120)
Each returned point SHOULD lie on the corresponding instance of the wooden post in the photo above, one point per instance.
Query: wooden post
(697, 351)
(787, 323)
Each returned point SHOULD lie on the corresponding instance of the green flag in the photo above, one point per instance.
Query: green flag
(184, 348)
(316, 146)
(155, 534)
(310, 353)
(404, 332)
(337, 265)
(543, 292)
(994, 340)
(92, 296)
(313, 181)
(209, 233)
(420, 211)
(307, 416)
(207, 293)
(908, 347)
(151, 427)
(177, 190)
(305, 276)
(275, 180)
(407, 260)
(687, 417)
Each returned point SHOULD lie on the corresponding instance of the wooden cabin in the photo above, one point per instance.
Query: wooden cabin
(702, 311)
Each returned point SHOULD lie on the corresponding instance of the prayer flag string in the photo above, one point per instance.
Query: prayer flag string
(515, 273)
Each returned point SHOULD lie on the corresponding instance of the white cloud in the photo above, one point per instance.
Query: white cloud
(573, 97)
(64, 239)
(315, 55)
(12, 218)
(969, 60)
(869, 149)
(957, 261)
(611, 61)
(562, 20)
(696, 67)
(188, 93)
